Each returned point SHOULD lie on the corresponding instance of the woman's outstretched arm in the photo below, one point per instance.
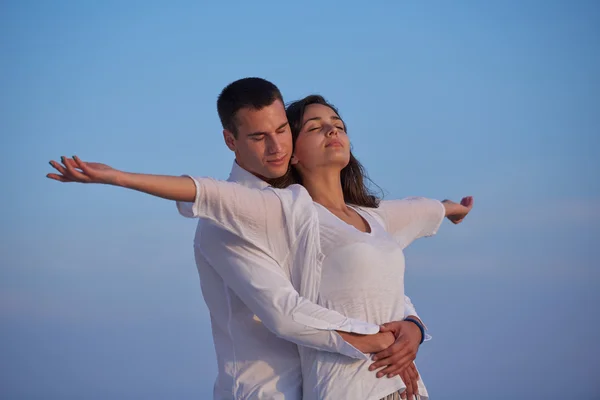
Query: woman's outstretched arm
(177, 188)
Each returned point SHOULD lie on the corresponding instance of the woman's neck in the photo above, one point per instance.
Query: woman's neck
(325, 188)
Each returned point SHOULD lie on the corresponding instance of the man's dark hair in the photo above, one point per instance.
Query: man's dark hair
(253, 93)
(354, 177)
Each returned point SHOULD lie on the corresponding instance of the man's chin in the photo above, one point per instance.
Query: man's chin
(275, 172)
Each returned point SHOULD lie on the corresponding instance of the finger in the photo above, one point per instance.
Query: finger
(467, 201)
(72, 164)
(412, 388)
(393, 364)
(414, 377)
(403, 395)
(57, 166)
(72, 173)
(392, 354)
(59, 178)
(389, 327)
(406, 378)
(397, 346)
(394, 368)
(397, 363)
(385, 361)
(412, 367)
(81, 165)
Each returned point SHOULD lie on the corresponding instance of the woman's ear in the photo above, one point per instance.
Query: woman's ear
(293, 160)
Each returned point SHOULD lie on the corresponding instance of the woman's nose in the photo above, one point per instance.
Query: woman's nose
(331, 130)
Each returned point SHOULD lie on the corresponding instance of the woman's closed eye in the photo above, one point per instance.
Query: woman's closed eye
(318, 128)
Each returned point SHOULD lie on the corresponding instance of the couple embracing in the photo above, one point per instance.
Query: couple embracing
(300, 264)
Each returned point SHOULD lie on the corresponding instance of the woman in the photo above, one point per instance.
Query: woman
(352, 243)
(362, 271)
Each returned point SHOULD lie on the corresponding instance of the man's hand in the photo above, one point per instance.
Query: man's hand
(75, 170)
(398, 358)
(402, 352)
(457, 212)
(410, 377)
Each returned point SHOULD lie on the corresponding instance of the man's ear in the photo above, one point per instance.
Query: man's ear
(229, 139)
(293, 160)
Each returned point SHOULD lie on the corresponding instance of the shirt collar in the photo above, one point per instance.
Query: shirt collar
(243, 177)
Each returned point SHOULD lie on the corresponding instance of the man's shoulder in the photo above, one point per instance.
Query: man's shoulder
(295, 199)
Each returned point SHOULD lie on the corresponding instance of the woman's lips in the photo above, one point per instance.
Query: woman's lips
(334, 143)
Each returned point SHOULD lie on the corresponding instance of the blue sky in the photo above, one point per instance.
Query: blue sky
(99, 295)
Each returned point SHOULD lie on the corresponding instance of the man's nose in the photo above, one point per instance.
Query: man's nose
(274, 146)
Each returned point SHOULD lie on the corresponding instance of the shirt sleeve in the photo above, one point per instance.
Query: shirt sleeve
(411, 218)
(266, 289)
(253, 214)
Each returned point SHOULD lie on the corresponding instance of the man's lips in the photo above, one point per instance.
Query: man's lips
(279, 160)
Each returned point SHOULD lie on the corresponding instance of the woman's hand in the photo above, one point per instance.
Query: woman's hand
(457, 212)
(75, 170)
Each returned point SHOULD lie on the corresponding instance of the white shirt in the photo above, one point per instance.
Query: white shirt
(362, 276)
(244, 249)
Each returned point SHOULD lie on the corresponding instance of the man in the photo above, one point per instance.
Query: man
(255, 338)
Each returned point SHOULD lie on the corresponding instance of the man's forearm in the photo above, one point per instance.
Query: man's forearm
(369, 343)
(415, 317)
(177, 188)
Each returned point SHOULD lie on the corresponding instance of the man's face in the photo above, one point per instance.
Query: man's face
(264, 141)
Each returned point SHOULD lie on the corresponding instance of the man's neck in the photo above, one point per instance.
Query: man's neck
(246, 178)
(262, 178)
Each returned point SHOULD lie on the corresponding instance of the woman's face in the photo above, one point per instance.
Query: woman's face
(322, 141)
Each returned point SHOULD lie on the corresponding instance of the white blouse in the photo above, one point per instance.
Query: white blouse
(362, 276)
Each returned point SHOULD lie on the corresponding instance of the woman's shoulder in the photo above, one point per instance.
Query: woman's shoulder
(373, 212)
